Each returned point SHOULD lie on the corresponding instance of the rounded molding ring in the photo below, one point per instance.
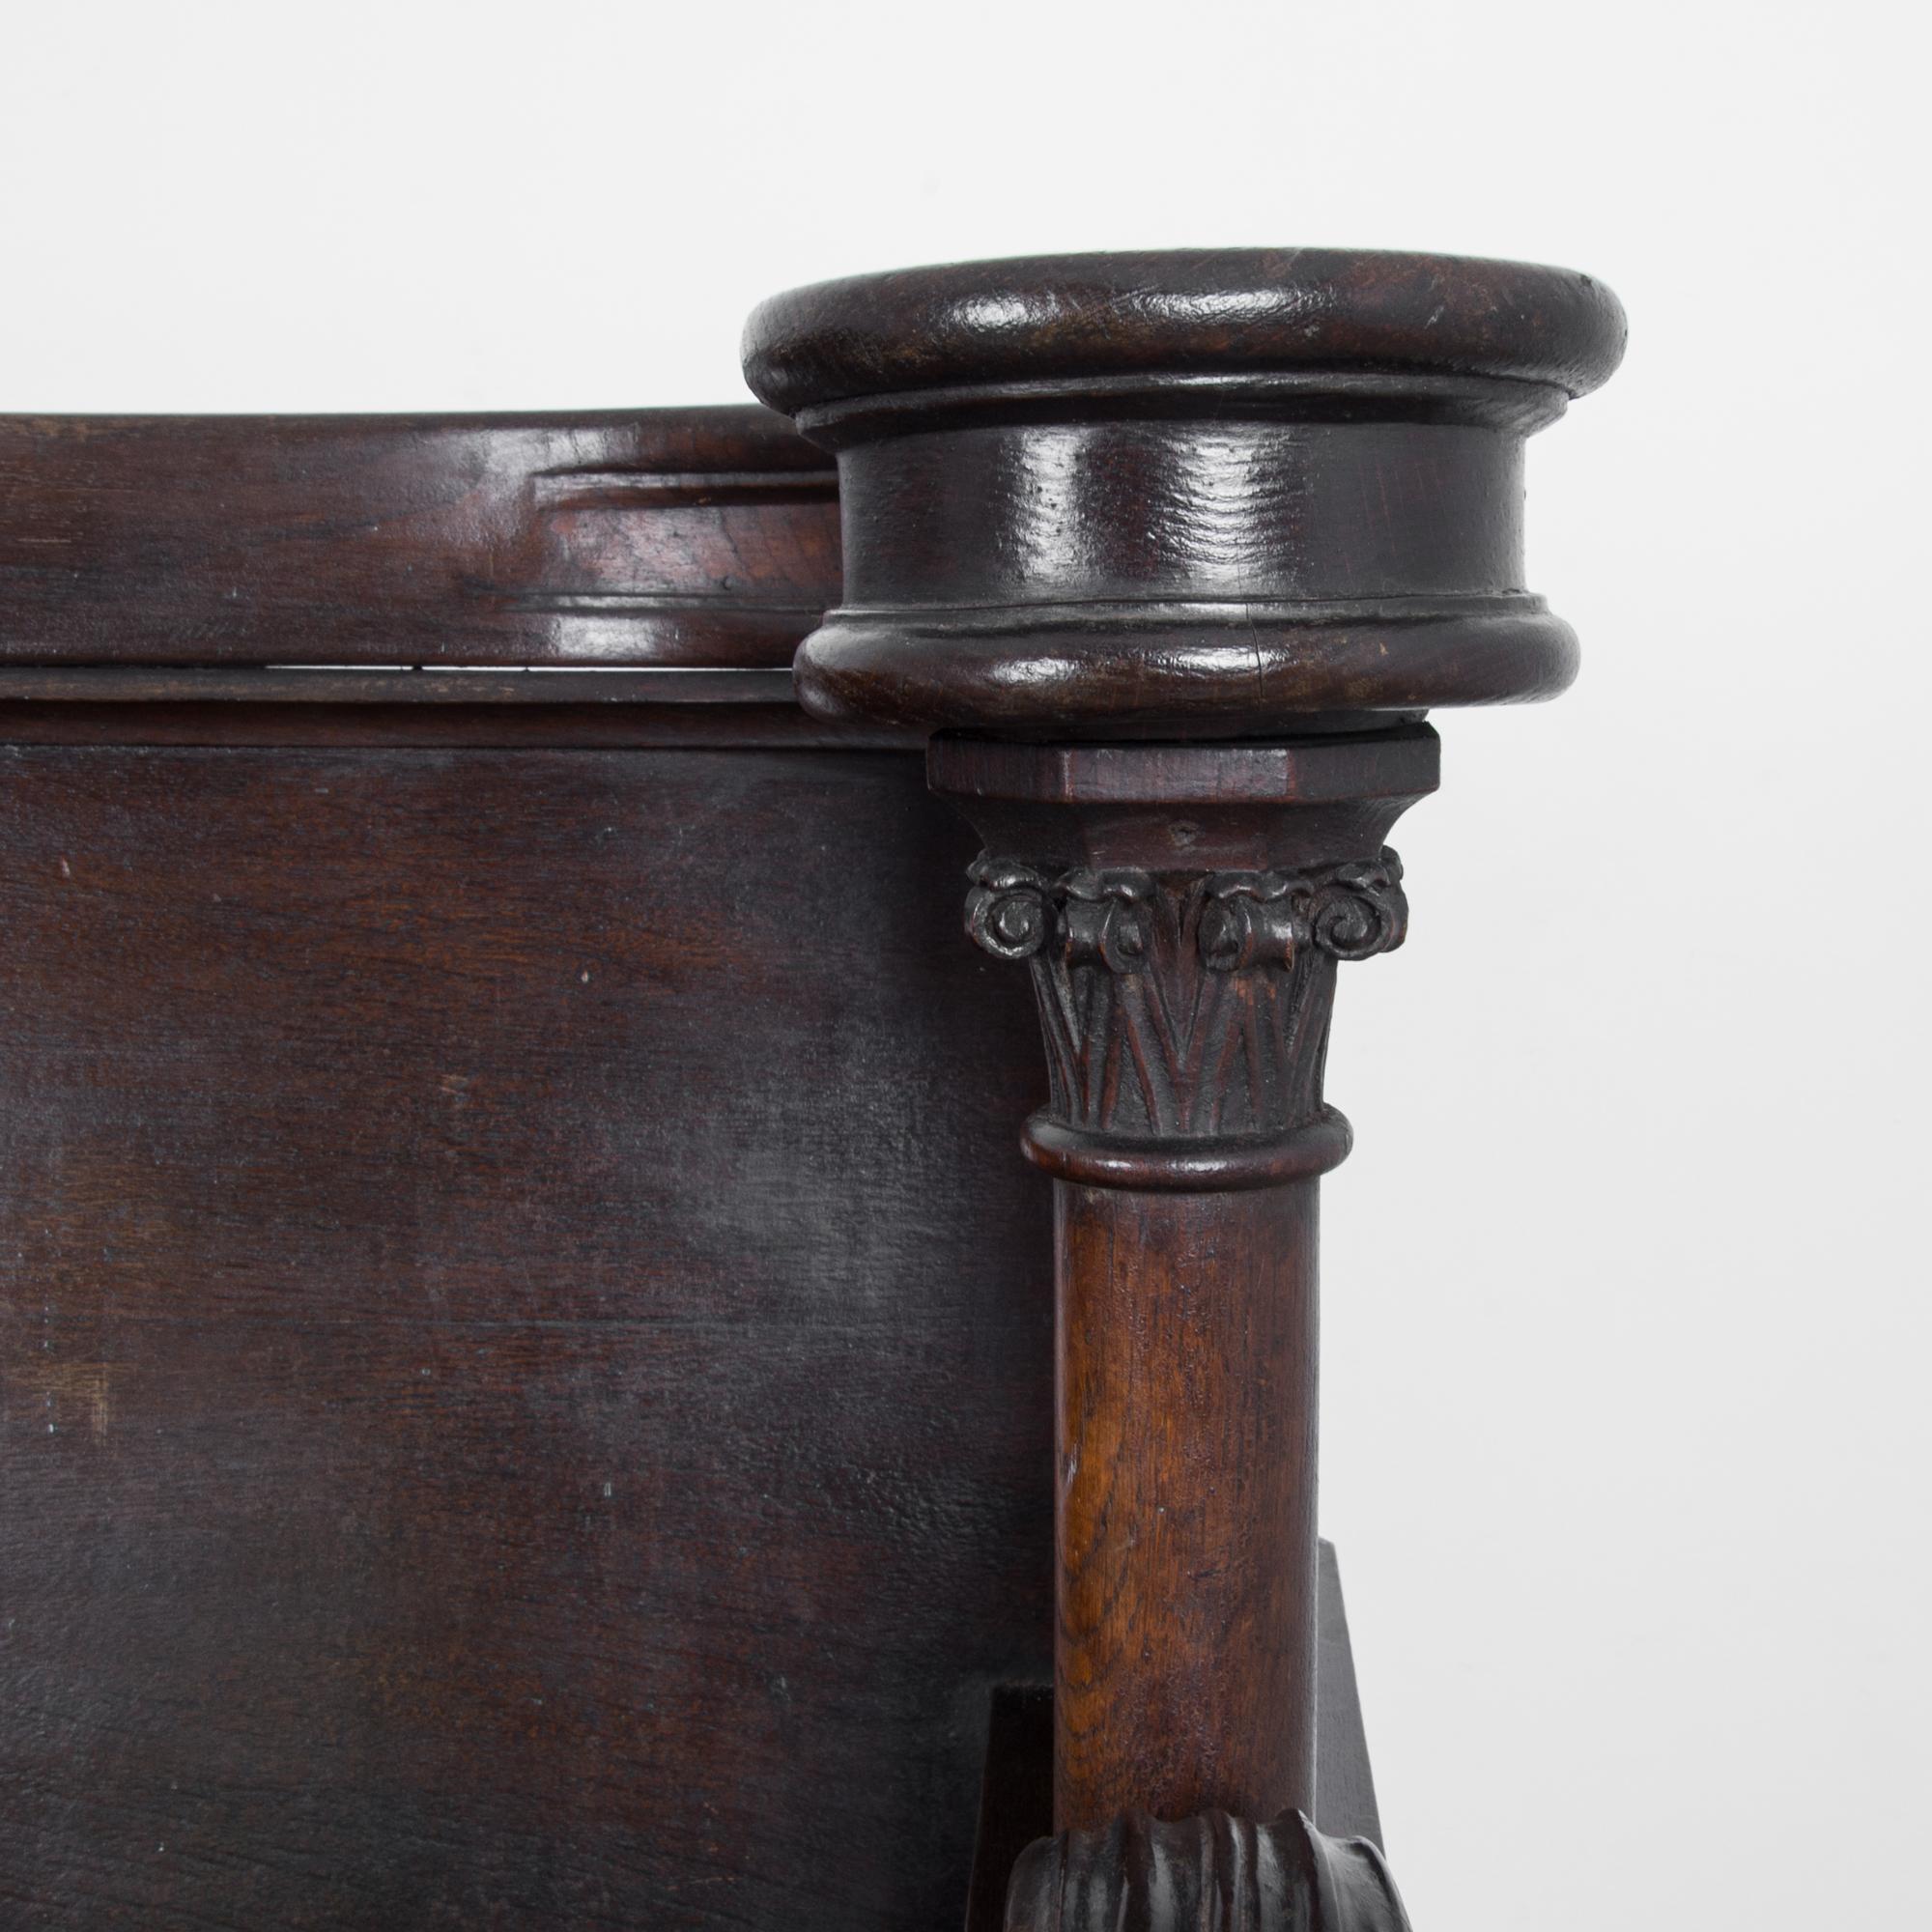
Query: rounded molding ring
(1086, 1159)
(1034, 318)
(1030, 673)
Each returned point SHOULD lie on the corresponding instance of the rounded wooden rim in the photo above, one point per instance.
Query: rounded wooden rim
(1042, 318)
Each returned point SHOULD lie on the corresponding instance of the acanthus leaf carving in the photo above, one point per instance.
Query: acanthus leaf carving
(1181, 1007)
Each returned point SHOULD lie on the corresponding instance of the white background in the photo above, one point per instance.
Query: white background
(1627, 1332)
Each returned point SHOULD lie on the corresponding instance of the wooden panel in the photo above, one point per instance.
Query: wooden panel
(706, 536)
(526, 1342)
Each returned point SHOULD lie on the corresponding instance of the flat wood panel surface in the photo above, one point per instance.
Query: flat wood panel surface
(524, 1341)
(687, 536)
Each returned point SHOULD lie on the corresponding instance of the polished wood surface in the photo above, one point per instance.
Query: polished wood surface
(1207, 494)
(653, 536)
(1186, 1527)
(1178, 314)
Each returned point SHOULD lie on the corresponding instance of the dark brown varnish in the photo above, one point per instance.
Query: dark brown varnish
(526, 1353)
(1182, 913)
(1187, 1521)
(702, 536)
(527, 1359)
(524, 1359)
(1191, 494)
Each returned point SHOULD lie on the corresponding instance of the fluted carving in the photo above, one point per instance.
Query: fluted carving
(1211, 1873)
(1189, 1006)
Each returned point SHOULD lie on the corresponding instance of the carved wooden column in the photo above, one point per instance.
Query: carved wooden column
(1171, 553)
(1182, 913)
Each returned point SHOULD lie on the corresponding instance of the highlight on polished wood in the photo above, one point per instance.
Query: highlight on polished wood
(690, 537)
(1205, 493)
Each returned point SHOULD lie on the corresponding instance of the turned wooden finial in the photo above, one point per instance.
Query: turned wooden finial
(1172, 553)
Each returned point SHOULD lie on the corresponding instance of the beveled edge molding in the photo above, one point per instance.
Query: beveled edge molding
(703, 537)
(1099, 670)
(1399, 761)
(290, 706)
(1142, 1874)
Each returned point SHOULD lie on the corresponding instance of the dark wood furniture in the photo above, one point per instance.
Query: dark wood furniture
(526, 1352)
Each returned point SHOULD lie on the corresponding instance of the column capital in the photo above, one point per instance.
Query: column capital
(1182, 910)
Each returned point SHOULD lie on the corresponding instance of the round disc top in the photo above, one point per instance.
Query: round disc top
(1202, 311)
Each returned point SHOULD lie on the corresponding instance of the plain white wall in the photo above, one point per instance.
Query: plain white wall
(1627, 1332)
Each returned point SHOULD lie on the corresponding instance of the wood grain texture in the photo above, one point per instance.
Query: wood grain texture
(524, 1355)
(666, 536)
(1187, 1351)
(528, 1354)
(1189, 495)
(1046, 318)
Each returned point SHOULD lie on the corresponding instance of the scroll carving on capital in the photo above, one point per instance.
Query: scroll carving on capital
(1141, 1875)
(1181, 1007)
